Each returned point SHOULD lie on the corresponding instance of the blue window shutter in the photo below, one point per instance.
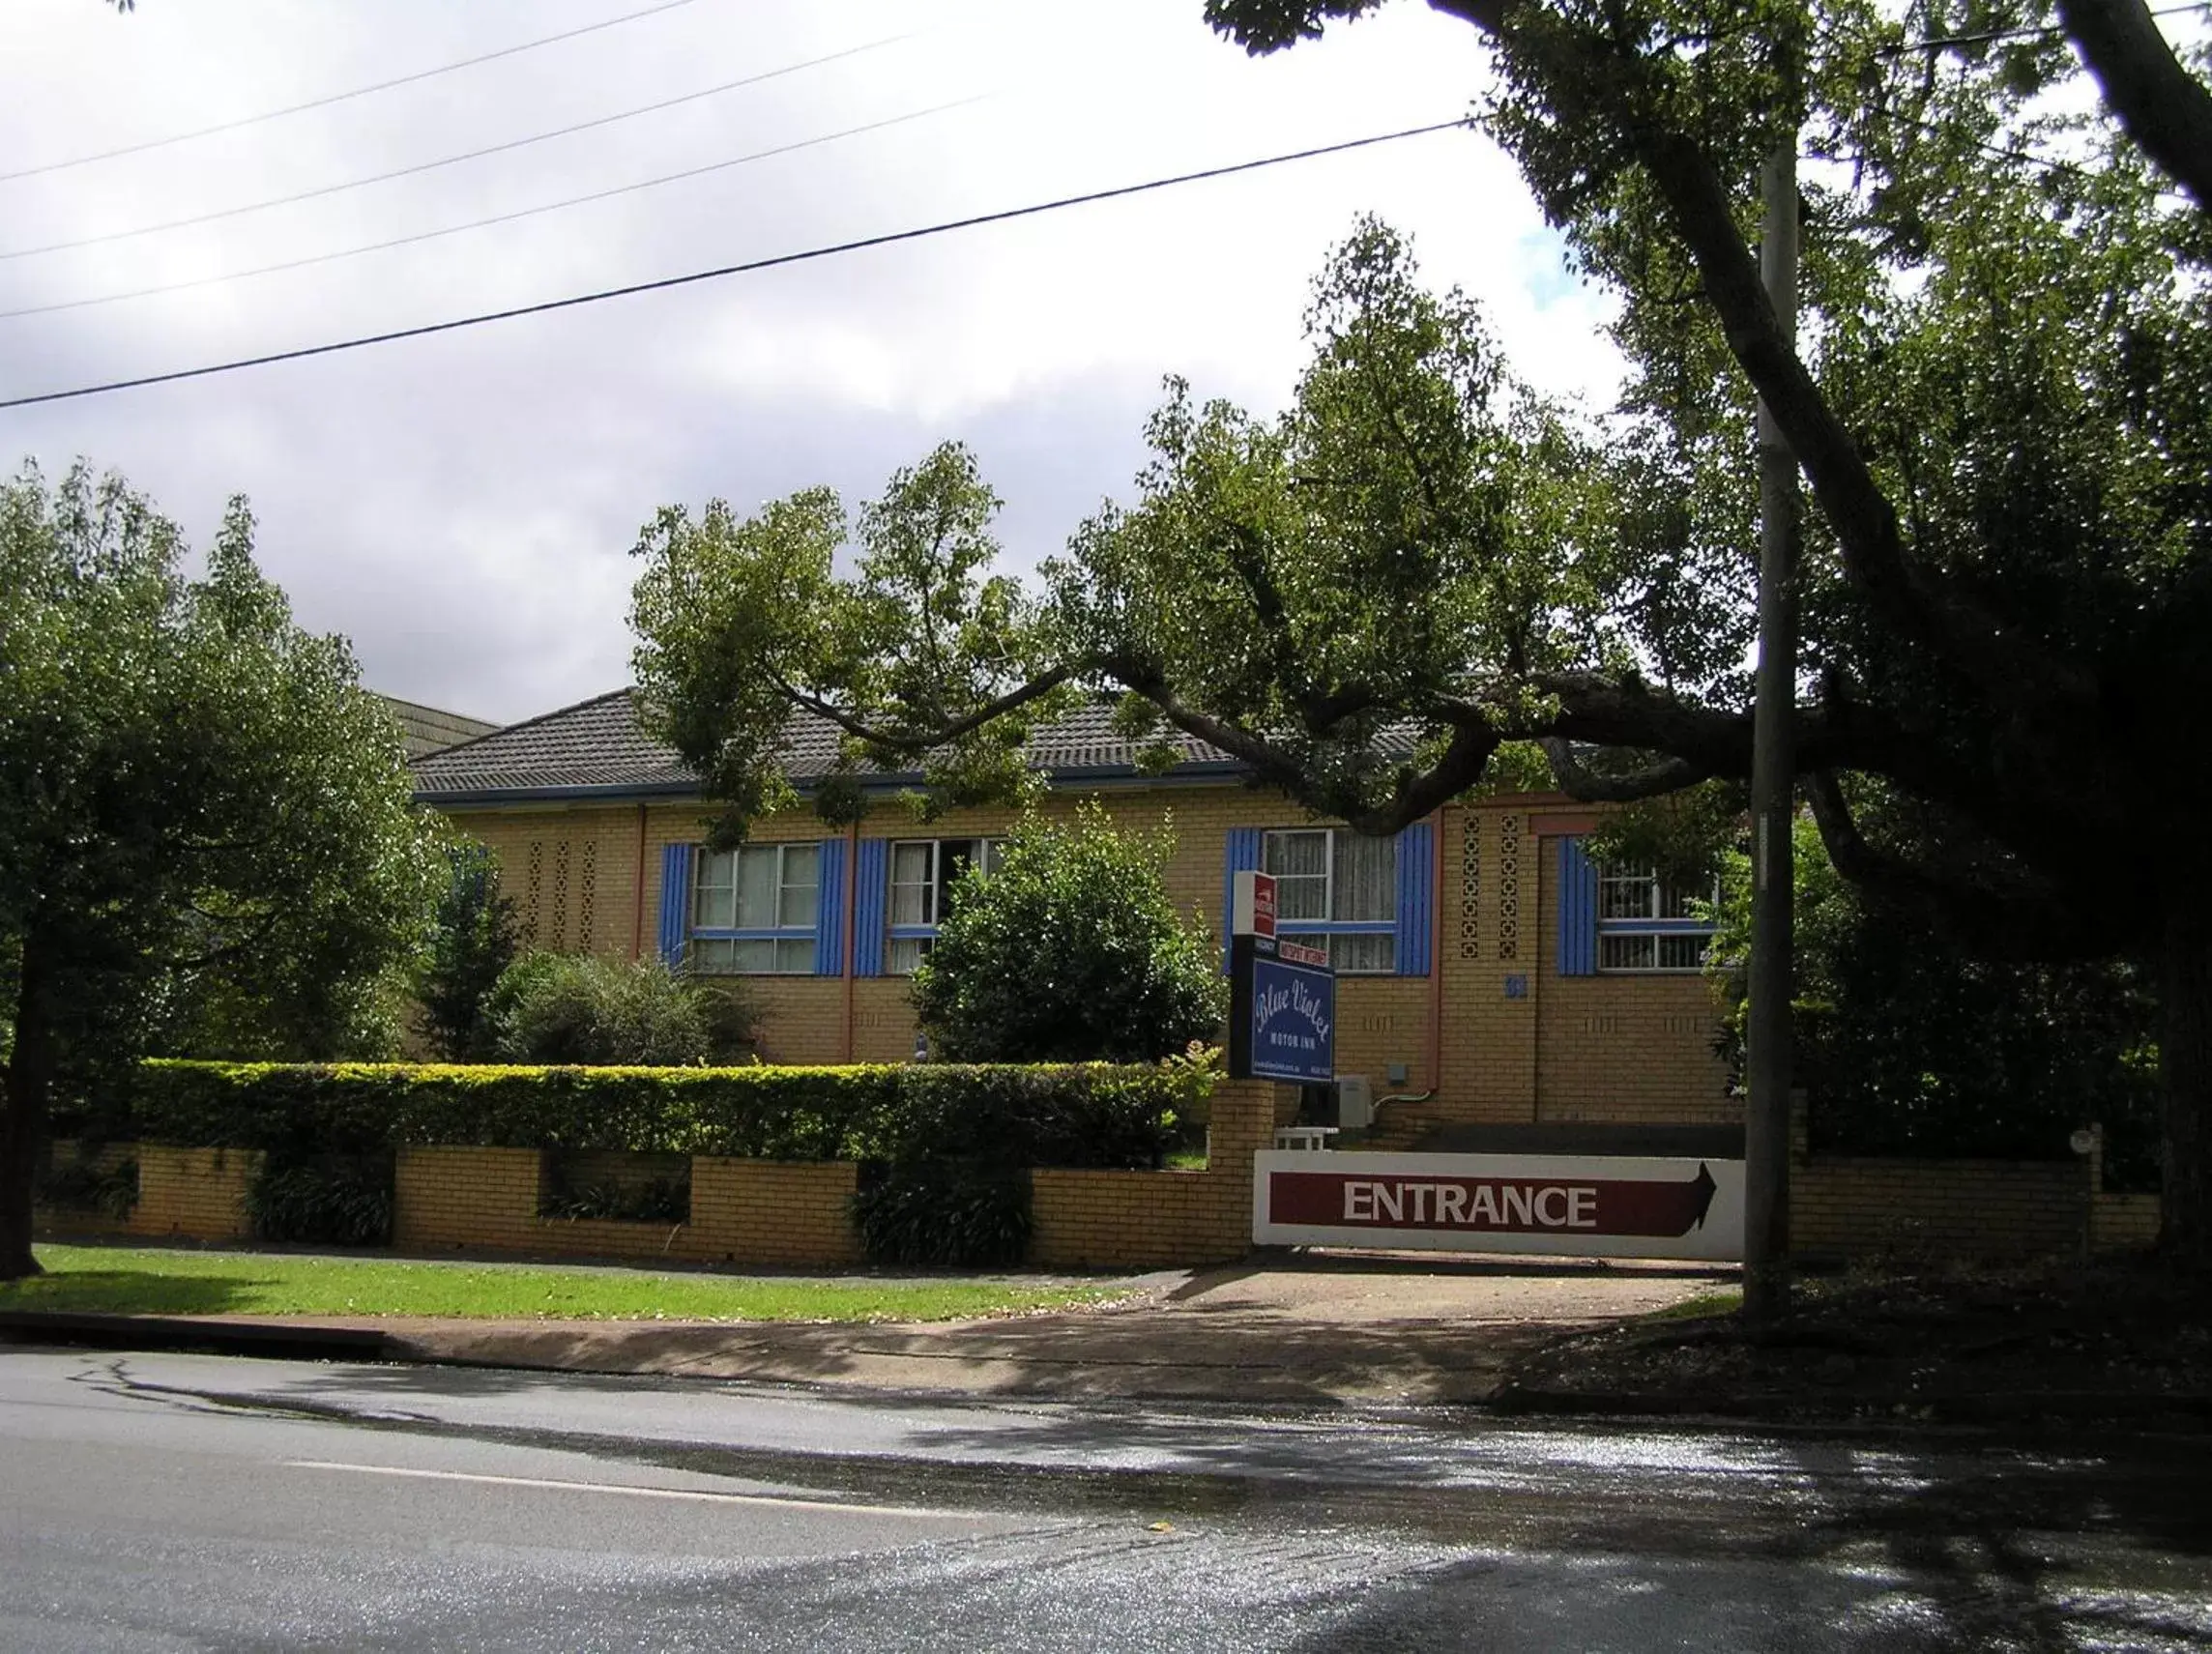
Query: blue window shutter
(1577, 910)
(1240, 856)
(675, 900)
(830, 909)
(871, 896)
(1416, 898)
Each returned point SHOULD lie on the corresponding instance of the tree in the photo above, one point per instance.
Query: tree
(476, 937)
(2001, 410)
(1069, 951)
(194, 791)
(1906, 1047)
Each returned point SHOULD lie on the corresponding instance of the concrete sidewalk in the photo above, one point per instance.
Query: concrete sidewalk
(1321, 1329)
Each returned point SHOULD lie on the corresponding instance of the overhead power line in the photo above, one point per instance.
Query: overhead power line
(2027, 32)
(325, 103)
(776, 261)
(607, 195)
(322, 191)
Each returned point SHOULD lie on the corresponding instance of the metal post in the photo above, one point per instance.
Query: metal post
(1767, 1038)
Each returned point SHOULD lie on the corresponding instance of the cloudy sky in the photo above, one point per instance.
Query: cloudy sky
(462, 506)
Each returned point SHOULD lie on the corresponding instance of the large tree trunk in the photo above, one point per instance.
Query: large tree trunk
(2185, 1066)
(25, 1084)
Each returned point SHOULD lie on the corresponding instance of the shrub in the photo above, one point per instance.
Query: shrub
(630, 1188)
(327, 1200)
(583, 1009)
(1089, 1115)
(84, 1186)
(1070, 951)
(475, 940)
(953, 1212)
(1908, 1047)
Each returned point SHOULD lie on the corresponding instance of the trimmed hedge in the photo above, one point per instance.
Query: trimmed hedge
(1077, 1115)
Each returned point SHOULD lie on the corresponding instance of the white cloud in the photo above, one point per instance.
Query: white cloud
(461, 506)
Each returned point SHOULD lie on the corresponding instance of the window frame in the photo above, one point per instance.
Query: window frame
(1328, 930)
(776, 935)
(1651, 923)
(981, 846)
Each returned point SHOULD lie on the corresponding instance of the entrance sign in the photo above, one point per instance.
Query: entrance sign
(1564, 1204)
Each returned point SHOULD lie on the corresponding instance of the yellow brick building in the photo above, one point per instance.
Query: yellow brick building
(1488, 972)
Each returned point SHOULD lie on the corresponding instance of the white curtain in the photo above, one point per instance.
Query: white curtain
(910, 884)
(1299, 862)
(1366, 876)
(756, 886)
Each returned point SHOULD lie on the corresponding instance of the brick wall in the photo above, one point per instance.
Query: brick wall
(785, 1214)
(572, 873)
(1992, 1208)
(2124, 1223)
(1158, 1220)
(196, 1194)
(773, 1214)
(1621, 1047)
(1137, 1220)
(748, 1212)
(465, 1199)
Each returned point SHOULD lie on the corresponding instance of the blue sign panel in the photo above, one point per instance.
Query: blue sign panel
(1293, 1027)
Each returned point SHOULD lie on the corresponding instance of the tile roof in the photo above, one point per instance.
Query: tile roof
(426, 730)
(596, 748)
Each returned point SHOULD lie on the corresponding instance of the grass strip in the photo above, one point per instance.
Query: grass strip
(1727, 1301)
(156, 1281)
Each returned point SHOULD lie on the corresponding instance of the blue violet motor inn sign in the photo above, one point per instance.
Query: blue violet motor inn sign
(1282, 1009)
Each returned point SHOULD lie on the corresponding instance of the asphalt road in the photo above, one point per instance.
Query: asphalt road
(173, 1502)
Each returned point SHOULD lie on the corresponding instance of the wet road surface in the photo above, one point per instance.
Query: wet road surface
(176, 1502)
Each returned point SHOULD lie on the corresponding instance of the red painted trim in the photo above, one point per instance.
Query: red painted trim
(1562, 825)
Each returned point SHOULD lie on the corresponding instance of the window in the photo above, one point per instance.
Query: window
(1645, 923)
(1336, 890)
(922, 875)
(753, 910)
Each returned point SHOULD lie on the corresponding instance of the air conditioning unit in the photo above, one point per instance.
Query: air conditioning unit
(1355, 1102)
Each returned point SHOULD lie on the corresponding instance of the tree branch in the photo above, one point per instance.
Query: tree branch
(2043, 926)
(1914, 598)
(909, 741)
(1577, 780)
(2164, 108)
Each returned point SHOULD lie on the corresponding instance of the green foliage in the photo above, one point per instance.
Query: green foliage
(1089, 1115)
(324, 1199)
(476, 938)
(1683, 836)
(731, 614)
(651, 1199)
(585, 1009)
(2001, 397)
(207, 836)
(953, 1214)
(1070, 951)
(85, 1186)
(1907, 1048)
